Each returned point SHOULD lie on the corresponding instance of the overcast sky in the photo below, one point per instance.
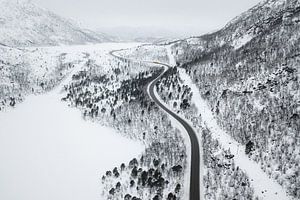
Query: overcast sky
(200, 15)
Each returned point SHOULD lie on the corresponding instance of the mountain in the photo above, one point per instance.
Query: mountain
(22, 23)
(146, 34)
(253, 25)
(248, 72)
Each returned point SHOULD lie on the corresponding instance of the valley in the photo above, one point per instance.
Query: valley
(211, 117)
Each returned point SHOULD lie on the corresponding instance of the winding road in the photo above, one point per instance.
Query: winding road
(194, 193)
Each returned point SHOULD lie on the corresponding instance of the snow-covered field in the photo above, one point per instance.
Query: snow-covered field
(47, 150)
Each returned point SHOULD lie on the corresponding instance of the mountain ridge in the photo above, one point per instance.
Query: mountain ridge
(25, 24)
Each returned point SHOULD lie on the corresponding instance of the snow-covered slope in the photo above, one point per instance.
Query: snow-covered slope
(22, 23)
(248, 73)
(268, 18)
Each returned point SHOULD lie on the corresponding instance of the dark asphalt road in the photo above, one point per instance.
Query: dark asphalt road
(195, 151)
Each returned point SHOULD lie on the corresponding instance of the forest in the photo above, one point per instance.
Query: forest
(253, 87)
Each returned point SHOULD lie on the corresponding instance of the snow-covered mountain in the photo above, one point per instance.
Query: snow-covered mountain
(141, 34)
(248, 72)
(268, 18)
(22, 23)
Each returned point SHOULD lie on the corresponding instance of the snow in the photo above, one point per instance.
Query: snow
(145, 53)
(37, 57)
(193, 41)
(222, 43)
(47, 150)
(239, 42)
(258, 105)
(274, 4)
(172, 60)
(263, 186)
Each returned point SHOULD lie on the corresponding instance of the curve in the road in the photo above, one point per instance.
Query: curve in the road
(195, 148)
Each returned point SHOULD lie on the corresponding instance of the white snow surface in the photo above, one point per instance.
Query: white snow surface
(172, 60)
(239, 42)
(264, 187)
(47, 150)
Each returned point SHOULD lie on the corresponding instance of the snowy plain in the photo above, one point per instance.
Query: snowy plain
(47, 150)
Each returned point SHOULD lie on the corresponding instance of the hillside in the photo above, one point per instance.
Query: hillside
(280, 16)
(248, 72)
(24, 24)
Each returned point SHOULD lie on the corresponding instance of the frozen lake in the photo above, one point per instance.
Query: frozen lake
(48, 152)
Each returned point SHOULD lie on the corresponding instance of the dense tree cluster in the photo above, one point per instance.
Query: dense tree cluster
(154, 180)
(101, 93)
(119, 100)
(173, 91)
